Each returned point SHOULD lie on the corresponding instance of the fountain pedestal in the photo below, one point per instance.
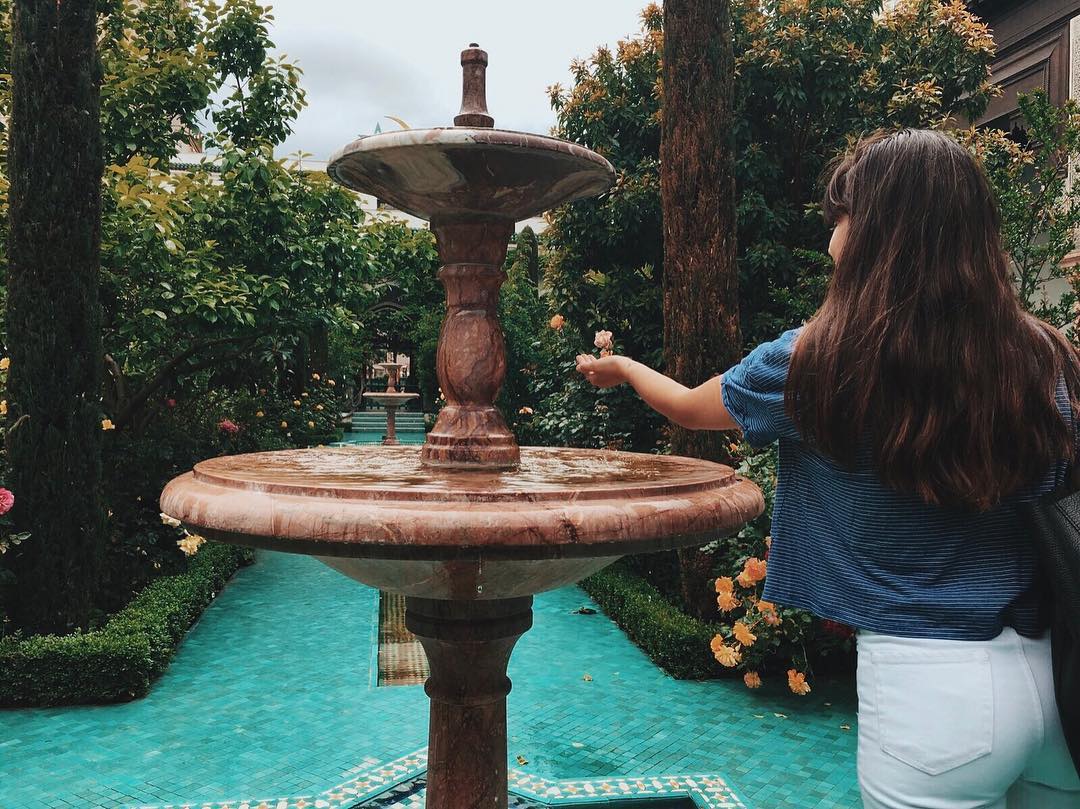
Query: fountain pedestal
(468, 646)
(391, 400)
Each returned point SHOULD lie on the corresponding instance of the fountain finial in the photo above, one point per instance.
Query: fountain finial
(474, 112)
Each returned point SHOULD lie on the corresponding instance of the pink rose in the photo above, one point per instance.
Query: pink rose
(170, 402)
(229, 426)
(7, 500)
(603, 341)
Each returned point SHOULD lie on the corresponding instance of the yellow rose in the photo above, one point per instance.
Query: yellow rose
(106, 424)
(5, 363)
(284, 425)
(296, 402)
(316, 377)
(259, 414)
(3, 408)
(318, 407)
(311, 425)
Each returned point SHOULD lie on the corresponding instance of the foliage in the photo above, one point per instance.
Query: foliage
(676, 642)
(569, 412)
(810, 76)
(1038, 199)
(170, 66)
(117, 662)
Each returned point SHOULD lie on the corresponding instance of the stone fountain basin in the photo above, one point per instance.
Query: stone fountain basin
(462, 172)
(380, 517)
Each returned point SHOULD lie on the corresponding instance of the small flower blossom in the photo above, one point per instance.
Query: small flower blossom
(318, 407)
(726, 601)
(3, 407)
(316, 377)
(331, 382)
(725, 655)
(525, 411)
(229, 426)
(304, 394)
(796, 681)
(724, 584)
(557, 322)
(170, 403)
(172, 522)
(106, 424)
(190, 544)
(5, 363)
(259, 414)
(753, 572)
(743, 634)
(7, 500)
(296, 403)
(284, 425)
(772, 618)
(603, 341)
(752, 679)
(311, 425)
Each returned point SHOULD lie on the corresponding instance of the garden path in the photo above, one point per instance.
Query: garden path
(270, 698)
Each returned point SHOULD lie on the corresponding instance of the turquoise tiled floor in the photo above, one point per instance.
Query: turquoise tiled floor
(270, 695)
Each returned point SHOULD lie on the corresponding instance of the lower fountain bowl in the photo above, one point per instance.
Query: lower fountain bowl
(380, 516)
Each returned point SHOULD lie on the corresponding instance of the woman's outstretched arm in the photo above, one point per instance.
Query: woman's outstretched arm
(700, 408)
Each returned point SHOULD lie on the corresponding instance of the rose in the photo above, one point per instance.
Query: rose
(228, 426)
(603, 341)
(557, 322)
(7, 500)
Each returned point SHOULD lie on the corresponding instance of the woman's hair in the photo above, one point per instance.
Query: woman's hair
(921, 347)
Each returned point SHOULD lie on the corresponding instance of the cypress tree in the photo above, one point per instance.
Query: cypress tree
(697, 190)
(53, 315)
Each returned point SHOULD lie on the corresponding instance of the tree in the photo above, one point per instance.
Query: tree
(697, 187)
(53, 315)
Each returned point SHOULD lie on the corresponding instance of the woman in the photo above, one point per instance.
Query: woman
(915, 411)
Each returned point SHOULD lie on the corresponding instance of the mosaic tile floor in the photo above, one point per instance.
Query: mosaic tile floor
(271, 701)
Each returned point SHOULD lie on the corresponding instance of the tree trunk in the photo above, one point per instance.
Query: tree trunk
(53, 314)
(697, 187)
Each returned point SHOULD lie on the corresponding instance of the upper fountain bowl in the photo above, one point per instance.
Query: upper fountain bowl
(460, 172)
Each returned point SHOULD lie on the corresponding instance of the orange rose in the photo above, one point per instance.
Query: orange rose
(726, 601)
(752, 679)
(724, 584)
(725, 655)
(743, 634)
(557, 322)
(796, 681)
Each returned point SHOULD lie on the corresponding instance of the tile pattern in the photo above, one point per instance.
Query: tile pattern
(399, 785)
(272, 694)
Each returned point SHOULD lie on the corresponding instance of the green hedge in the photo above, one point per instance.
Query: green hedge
(675, 641)
(119, 661)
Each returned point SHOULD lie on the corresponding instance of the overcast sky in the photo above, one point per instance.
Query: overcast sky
(363, 59)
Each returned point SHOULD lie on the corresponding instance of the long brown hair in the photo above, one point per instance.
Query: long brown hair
(921, 347)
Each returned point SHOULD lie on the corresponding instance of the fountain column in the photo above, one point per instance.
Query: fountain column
(468, 646)
(471, 359)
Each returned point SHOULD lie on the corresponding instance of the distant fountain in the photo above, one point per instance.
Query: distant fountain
(469, 527)
(391, 400)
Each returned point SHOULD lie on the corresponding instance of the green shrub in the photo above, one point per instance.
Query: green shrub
(676, 642)
(119, 661)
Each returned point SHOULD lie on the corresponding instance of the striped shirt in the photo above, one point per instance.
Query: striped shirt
(849, 548)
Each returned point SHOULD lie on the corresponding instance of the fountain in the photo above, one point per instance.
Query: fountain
(391, 400)
(469, 527)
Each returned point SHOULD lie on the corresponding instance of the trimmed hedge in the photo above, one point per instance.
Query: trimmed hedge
(675, 641)
(118, 662)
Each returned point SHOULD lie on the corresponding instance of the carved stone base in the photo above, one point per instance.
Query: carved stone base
(470, 437)
(468, 646)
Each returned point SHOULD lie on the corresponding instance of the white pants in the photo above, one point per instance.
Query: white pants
(947, 724)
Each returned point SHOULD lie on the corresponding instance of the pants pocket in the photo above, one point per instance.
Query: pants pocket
(935, 709)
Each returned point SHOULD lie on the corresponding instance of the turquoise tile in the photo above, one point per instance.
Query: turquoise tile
(270, 697)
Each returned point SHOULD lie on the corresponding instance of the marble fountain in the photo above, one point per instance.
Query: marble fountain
(469, 526)
(391, 399)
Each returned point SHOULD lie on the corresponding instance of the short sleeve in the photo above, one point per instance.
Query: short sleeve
(753, 392)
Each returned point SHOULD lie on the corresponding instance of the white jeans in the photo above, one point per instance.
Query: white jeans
(947, 724)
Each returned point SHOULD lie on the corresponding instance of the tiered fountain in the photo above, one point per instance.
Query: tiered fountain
(469, 527)
(391, 400)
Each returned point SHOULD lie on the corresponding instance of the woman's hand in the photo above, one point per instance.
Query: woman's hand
(603, 372)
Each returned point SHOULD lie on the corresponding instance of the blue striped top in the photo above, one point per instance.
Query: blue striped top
(846, 547)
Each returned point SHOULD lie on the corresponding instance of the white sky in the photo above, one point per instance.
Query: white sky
(365, 59)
